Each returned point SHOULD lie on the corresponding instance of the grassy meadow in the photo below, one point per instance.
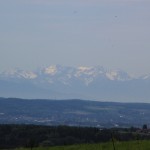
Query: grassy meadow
(132, 145)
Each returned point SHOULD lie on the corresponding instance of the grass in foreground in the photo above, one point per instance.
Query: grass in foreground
(132, 145)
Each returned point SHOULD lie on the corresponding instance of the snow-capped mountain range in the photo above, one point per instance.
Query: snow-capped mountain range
(63, 82)
(81, 72)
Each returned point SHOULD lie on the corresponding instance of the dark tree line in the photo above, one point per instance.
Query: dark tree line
(12, 136)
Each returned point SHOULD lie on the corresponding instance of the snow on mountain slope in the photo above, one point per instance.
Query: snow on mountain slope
(118, 75)
(65, 74)
(86, 74)
(17, 73)
(145, 77)
(63, 82)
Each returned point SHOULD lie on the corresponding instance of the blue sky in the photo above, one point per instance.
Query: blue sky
(110, 33)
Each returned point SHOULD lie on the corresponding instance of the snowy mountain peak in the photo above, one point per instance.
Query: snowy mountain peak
(111, 75)
(74, 82)
(83, 68)
(89, 71)
(65, 74)
(117, 75)
(17, 73)
(28, 75)
(51, 70)
(83, 71)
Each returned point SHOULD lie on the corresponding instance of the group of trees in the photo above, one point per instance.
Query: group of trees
(12, 136)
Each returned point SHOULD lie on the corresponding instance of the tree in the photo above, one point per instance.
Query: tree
(31, 143)
(145, 127)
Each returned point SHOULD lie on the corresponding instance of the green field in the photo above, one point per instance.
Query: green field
(132, 145)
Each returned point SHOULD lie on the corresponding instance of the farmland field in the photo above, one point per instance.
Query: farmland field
(132, 145)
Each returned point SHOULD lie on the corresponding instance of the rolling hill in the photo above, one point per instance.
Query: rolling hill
(73, 112)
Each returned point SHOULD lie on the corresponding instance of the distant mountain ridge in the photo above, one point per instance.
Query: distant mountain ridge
(81, 72)
(63, 82)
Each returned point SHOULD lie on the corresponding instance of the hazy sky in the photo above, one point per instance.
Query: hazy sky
(110, 33)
